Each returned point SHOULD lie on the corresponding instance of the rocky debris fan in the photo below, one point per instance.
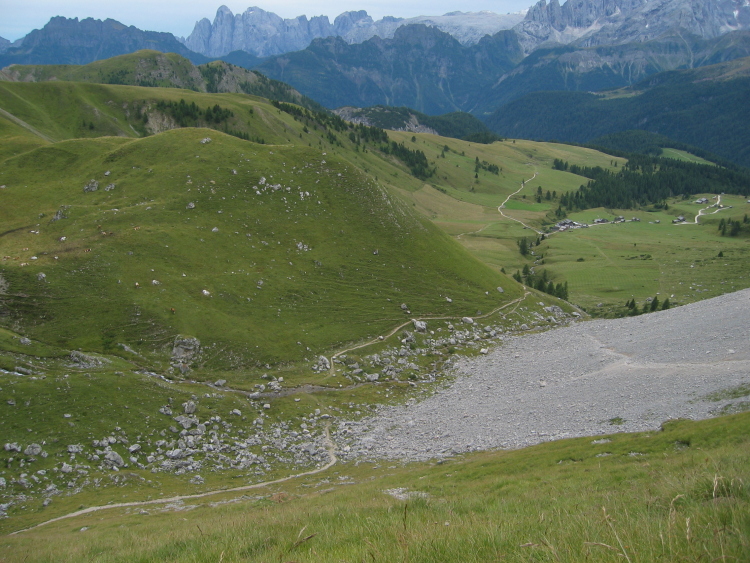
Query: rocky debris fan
(585, 379)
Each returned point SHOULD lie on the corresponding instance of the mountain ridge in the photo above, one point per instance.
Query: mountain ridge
(70, 41)
(264, 33)
(156, 69)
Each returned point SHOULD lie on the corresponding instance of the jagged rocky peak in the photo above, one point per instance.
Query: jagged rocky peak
(264, 33)
(612, 22)
(256, 31)
(579, 13)
(347, 21)
(725, 14)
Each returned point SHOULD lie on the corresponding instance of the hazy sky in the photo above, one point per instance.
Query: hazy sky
(17, 18)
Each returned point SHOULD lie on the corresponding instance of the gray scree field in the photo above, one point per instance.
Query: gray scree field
(596, 377)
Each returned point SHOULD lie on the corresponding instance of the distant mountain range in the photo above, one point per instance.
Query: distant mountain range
(421, 67)
(583, 23)
(587, 23)
(70, 41)
(451, 63)
(264, 33)
(430, 71)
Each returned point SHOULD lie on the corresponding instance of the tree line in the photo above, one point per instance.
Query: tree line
(647, 180)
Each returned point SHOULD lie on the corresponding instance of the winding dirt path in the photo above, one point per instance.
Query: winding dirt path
(330, 446)
(507, 199)
(515, 302)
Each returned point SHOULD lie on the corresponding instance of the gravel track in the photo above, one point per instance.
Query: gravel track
(572, 381)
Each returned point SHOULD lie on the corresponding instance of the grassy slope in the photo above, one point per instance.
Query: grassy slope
(478, 226)
(337, 291)
(680, 257)
(678, 494)
(337, 308)
(164, 69)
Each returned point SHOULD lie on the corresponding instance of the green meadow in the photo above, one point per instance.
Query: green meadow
(122, 232)
(679, 494)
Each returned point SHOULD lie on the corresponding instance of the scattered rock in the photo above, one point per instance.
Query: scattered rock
(190, 205)
(107, 173)
(66, 468)
(60, 214)
(205, 141)
(109, 187)
(92, 186)
(185, 350)
(220, 382)
(75, 449)
(206, 293)
(12, 447)
(33, 449)
(404, 307)
(468, 320)
(84, 361)
(25, 341)
(189, 407)
(274, 386)
(420, 326)
(41, 276)
(114, 459)
(501, 290)
(323, 364)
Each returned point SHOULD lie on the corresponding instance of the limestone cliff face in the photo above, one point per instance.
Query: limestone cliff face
(265, 34)
(617, 22)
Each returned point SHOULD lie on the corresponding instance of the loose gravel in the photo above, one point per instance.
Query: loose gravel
(591, 378)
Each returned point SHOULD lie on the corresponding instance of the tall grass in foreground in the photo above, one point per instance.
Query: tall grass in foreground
(681, 494)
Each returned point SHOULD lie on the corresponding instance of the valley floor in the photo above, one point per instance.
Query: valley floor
(598, 377)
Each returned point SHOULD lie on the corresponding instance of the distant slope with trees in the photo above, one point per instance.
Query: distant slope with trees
(705, 107)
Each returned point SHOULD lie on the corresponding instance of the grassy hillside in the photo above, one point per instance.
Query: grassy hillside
(164, 70)
(313, 252)
(677, 494)
(137, 219)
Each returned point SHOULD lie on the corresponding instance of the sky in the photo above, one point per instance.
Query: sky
(179, 16)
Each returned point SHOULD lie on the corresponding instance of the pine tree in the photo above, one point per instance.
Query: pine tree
(665, 305)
